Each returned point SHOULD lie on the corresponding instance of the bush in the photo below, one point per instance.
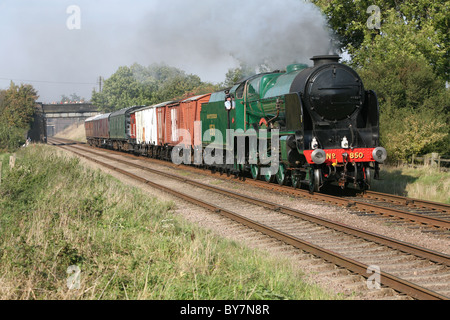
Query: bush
(408, 132)
(11, 138)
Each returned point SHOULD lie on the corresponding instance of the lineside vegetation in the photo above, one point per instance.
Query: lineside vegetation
(56, 214)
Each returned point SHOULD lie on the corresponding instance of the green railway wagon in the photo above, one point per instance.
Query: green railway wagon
(120, 129)
(214, 119)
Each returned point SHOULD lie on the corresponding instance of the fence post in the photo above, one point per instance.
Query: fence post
(434, 159)
(12, 161)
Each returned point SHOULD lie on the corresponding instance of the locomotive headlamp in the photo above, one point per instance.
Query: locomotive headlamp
(344, 143)
(229, 101)
(314, 143)
(379, 154)
(318, 156)
(229, 105)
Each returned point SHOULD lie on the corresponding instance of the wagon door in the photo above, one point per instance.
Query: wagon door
(139, 132)
(161, 127)
(174, 124)
(153, 139)
(133, 126)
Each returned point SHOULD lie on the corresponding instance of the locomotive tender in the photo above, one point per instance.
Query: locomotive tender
(319, 122)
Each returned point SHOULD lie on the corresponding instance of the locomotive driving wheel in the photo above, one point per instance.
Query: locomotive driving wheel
(365, 184)
(295, 179)
(281, 174)
(315, 180)
(269, 177)
(254, 169)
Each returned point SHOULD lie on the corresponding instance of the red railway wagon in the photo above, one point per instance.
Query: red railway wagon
(180, 115)
(133, 126)
(171, 136)
(189, 110)
(161, 111)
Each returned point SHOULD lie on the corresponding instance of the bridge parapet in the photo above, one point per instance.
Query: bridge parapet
(57, 117)
(73, 110)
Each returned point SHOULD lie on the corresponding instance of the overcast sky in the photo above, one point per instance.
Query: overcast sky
(60, 50)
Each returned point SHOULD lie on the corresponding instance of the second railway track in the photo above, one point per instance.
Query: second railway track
(434, 215)
(412, 270)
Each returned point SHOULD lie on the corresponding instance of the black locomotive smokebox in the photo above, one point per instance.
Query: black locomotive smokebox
(320, 60)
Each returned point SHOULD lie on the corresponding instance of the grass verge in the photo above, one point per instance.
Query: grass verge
(57, 217)
(425, 183)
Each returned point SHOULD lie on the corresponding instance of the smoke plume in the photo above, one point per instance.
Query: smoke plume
(210, 33)
(202, 37)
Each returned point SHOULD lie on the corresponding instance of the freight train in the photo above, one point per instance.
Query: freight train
(305, 126)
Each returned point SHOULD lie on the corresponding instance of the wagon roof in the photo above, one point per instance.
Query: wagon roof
(162, 104)
(99, 117)
(92, 118)
(124, 111)
(196, 97)
(159, 105)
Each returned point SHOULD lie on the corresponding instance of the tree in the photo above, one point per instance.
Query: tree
(426, 20)
(121, 90)
(139, 85)
(17, 105)
(237, 74)
(412, 132)
(174, 88)
(405, 61)
(16, 113)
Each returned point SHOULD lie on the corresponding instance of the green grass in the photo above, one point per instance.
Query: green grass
(425, 183)
(55, 213)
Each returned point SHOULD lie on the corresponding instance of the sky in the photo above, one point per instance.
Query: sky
(62, 47)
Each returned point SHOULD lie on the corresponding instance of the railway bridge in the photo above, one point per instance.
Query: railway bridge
(50, 119)
(60, 116)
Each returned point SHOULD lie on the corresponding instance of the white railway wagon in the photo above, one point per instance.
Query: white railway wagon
(146, 126)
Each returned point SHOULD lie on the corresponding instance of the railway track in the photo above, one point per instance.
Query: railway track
(431, 216)
(417, 203)
(412, 270)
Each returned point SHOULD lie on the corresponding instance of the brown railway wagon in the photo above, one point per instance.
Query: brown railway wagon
(161, 120)
(89, 127)
(176, 121)
(190, 113)
(172, 119)
(97, 127)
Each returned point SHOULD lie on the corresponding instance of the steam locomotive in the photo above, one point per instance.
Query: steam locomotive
(308, 126)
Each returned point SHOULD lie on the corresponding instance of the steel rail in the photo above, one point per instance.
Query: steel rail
(386, 279)
(360, 205)
(395, 244)
(435, 206)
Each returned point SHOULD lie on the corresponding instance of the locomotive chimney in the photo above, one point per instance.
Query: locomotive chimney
(320, 60)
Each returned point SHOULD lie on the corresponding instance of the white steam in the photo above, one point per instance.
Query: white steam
(202, 37)
(209, 33)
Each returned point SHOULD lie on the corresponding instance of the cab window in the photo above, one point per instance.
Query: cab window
(240, 91)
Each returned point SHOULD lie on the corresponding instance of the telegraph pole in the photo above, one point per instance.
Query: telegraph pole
(99, 84)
